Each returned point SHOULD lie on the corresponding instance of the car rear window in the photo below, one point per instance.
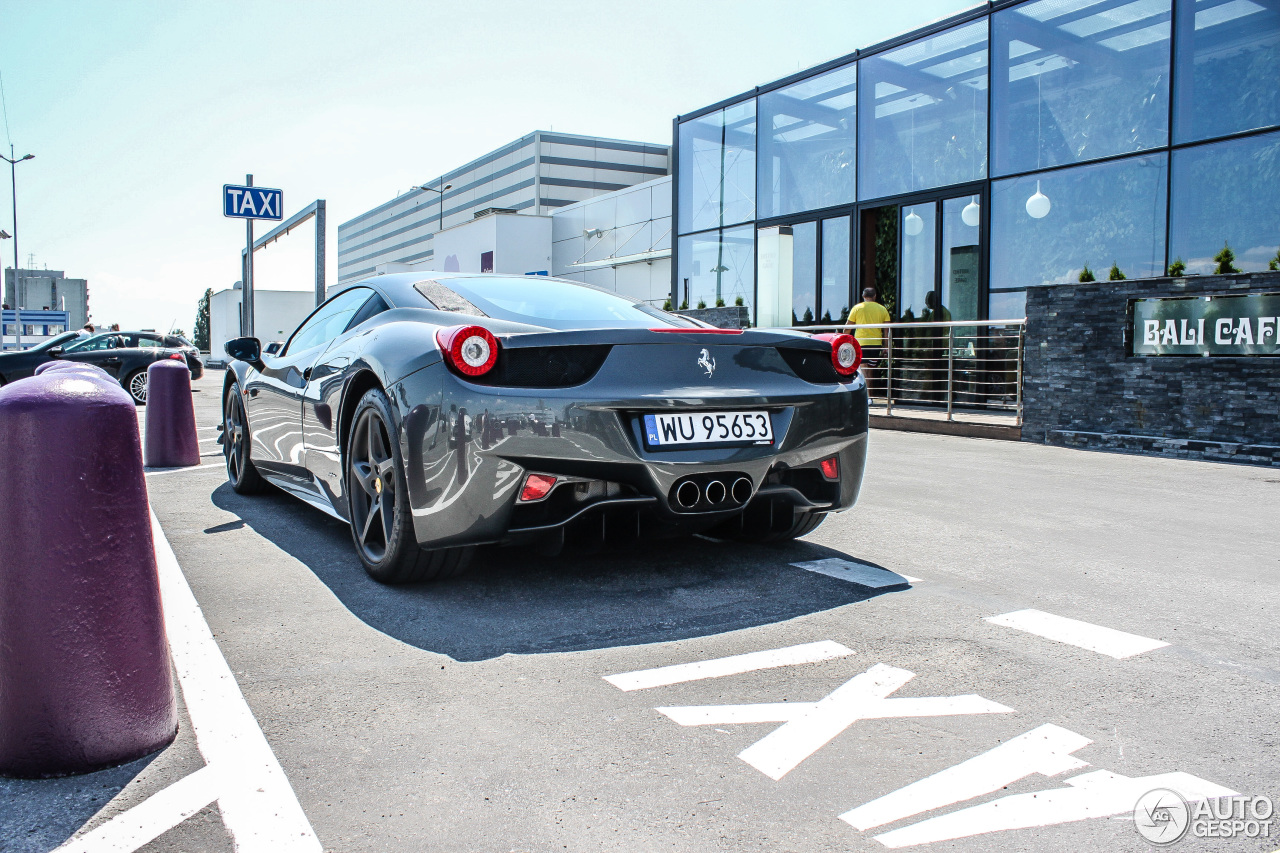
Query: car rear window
(549, 302)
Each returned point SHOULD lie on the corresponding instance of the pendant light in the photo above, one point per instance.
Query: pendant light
(1038, 205)
(969, 216)
(912, 223)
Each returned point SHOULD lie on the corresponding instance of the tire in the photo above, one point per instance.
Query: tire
(241, 472)
(136, 384)
(378, 503)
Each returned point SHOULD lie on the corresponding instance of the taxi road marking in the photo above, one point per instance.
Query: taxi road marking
(1095, 638)
(735, 665)
(862, 697)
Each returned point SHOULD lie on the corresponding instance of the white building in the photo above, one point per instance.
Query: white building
(48, 290)
(276, 313)
(536, 175)
(619, 241)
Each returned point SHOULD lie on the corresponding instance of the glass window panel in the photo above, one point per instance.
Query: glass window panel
(807, 158)
(718, 168)
(787, 257)
(923, 121)
(960, 256)
(1074, 80)
(1228, 59)
(804, 273)
(1007, 305)
(919, 246)
(1095, 216)
(835, 270)
(717, 263)
(1224, 194)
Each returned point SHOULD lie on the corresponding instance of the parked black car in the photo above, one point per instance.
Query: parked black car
(125, 355)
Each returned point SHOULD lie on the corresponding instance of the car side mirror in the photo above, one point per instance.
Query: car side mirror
(245, 349)
(56, 352)
(274, 347)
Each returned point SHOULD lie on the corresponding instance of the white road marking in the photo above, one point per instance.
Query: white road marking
(785, 712)
(790, 656)
(1090, 795)
(859, 573)
(258, 804)
(861, 697)
(1045, 750)
(155, 471)
(1095, 638)
(151, 818)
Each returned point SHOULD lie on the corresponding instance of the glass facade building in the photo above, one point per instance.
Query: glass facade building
(1017, 144)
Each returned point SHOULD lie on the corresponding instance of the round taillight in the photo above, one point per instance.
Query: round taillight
(469, 350)
(846, 353)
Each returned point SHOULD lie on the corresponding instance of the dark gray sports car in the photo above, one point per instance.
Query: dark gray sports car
(440, 411)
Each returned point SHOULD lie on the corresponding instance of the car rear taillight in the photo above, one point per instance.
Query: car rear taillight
(846, 353)
(831, 468)
(536, 487)
(178, 357)
(469, 350)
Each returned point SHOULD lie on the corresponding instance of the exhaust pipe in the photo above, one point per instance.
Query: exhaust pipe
(687, 494)
(741, 491)
(716, 492)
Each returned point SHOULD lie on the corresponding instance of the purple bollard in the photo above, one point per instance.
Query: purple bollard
(71, 365)
(85, 681)
(171, 416)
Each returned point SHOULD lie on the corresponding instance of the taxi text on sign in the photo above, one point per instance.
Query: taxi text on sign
(252, 202)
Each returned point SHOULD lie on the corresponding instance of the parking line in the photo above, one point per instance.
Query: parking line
(1095, 638)
(258, 804)
(861, 574)
(734, 665)
(151, 818)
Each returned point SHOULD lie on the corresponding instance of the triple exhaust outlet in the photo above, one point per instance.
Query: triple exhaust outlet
(711, 492)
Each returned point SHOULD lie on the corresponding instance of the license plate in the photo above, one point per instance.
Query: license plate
(715, 428)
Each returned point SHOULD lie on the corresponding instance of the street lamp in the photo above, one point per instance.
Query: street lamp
(13, 181)
(439, 192)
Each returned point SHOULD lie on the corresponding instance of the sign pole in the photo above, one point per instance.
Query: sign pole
(246, 291)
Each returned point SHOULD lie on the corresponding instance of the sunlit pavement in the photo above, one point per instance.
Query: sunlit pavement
(482, 713)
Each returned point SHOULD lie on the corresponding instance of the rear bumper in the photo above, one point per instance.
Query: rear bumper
(467, 457)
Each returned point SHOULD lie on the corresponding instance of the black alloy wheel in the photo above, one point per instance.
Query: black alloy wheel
(378, 504)
(241, 471)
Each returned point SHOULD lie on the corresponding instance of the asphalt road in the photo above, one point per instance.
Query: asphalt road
(474, 714)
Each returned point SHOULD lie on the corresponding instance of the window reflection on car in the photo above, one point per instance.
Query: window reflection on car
(97, 342)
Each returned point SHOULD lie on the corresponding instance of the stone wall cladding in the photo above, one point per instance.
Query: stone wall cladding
(1081, 388)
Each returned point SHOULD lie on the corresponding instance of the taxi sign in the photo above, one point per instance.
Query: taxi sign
(242, 202)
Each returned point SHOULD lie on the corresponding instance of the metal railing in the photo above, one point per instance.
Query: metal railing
(970, 366)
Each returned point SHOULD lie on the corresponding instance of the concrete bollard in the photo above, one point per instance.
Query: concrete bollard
(85, 680)
(171, 416)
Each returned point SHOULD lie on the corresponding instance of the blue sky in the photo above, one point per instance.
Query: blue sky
(138, 112)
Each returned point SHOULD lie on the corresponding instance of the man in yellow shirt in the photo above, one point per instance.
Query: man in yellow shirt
(871, 340)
